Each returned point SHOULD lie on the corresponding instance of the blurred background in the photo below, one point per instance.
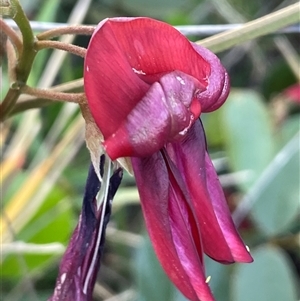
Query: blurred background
(253, 140)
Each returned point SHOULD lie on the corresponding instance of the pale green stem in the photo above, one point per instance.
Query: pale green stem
(254, 29)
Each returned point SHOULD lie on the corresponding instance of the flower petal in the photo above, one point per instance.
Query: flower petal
(293, 93)
(216, 226)
(124, 57)
(172, 225)
(218, 84)
(111, 86)
(164, 114)
(238, 250)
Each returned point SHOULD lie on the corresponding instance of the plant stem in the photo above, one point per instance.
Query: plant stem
(28, 53)
(34, 103)
(27, 102)
(12, 35)
(254, 29)
(25, 61)
(72, 29)
(54, 95)
(11, 61)
(77, 50)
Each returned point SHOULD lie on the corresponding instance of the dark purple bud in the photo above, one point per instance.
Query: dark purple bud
(81, 261)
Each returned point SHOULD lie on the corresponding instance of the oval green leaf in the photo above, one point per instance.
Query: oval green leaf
(277, 200)
(269, 277)
(248, 135)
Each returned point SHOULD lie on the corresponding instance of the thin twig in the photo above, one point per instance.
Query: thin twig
(34, 103)
(75, 85)
(71, 29)
(12, 35)
(54, 95)
(77, 50)
(27, 101)
(11, 61)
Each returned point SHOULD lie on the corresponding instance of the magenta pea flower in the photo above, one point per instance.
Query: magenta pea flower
(146, 86)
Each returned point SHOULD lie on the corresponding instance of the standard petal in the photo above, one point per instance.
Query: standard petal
(112, 88)
(164, 114)
(171, 224)
(124, 57)
(154, 48)
(190, 158)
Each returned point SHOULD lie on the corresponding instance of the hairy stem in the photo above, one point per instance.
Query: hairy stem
(11, 61)
(12, 35)
(77, 50)
(54, 95)
(27, 102)
(72, 29)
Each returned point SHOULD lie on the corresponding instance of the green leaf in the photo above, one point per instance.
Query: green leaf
(220, 276)
(248, 134)
(269, 277)
(152, 282)
(277, 202)
(289, 128)
(213, 128)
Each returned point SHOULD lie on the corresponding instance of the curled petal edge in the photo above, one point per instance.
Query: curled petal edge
(221, 240)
